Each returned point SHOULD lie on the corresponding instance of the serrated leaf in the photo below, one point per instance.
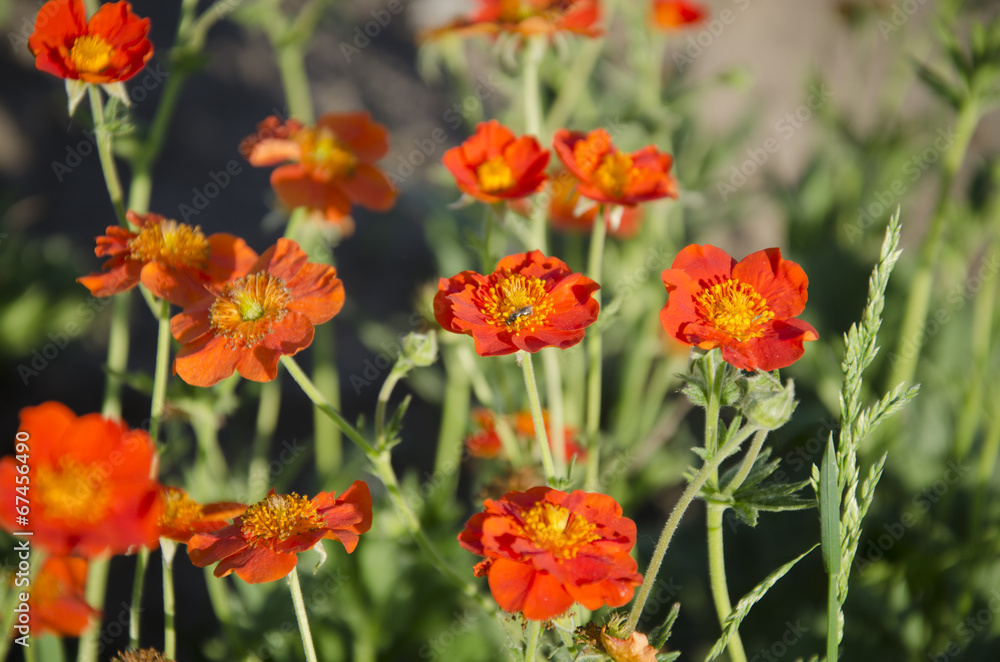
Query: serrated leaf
(939, 85)
(659, 636)
(829, 510)
(668, 657)
(742, 608)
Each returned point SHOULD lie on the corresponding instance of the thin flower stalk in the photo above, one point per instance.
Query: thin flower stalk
(135, 609)
(168, 549)
(301, 616)
(534, 404)
(594, 354)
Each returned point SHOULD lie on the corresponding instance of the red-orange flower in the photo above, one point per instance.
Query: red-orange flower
(261, 545)
(551, 549)
(674, 14)
(493, 165)
(109, 48)
(529, 302)
(90, 487)
(248, 323)
(565, 210)
(524, 425)
(58, 603)
(613, 177)
(485, 441)
(328, 167)
(528, 17)
(183, 517)
(746, 308)
(175, 261)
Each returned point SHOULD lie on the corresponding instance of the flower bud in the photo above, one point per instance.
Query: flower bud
(421, 348)
(766, 403)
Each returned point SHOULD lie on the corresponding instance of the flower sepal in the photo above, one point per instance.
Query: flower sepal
(766, 403)
(75, 89)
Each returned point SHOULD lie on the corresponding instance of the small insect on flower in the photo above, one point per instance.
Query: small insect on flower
(518, 314)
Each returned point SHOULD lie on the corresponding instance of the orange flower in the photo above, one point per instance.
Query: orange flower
(565, 214)
(91, 491)
(528, 17)
(493, 165)
(248, 323)
(110, 48)
(328, 167)
(485, 442)
(674, 14)
(175, 261)
(58, 603)
(746, 308)
(634, 648)
(551, 549)
(261, 545)
(613, 177)
(183, 517)
(524, 425)
(529, 302)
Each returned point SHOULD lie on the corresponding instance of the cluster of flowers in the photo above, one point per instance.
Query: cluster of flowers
(94, 480)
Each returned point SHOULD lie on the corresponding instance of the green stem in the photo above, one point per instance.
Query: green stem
(534, 404)
(702, 477)
(268, 409)
(575, 84)
(832, 617)
(162, 371)
(135, 609)
(554, 397)
(29, 654)
(918, 302)
(595, 263)
(329, 445)
(222, 601)
(748, 462)
(533, 122)
(454, 418)
(168, 549)
(105, 151)
(317, 399)
(384, 393)
(97, 582)
(301, 615)
(531, 645)
(717, 575)
(12, 599)
(118, 343)
(291, 62)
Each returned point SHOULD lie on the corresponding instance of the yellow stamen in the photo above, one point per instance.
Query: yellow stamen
(614, 173)
(179, 508)
(247, 308)
(517, 302)
(591, 151)
(735, 308)
(90, 54)
(495, 175)
(72, 492)
(172, 243)
(279, 517)
(327, 157)
(555, 529)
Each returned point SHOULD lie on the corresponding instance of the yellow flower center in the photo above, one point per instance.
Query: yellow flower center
(248, 306)
(170, 242)
(279, 517)
(735, 308)
(495, 175)
(327, 157)
(555, 529)
(179, 508)
(72, 492)
(145, 655)
(517, 302)
(614, 173)
(90, 54)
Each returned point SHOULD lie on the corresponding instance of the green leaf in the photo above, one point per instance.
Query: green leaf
(939, 85)
(742, 608)
(829, 510)
(659, 636)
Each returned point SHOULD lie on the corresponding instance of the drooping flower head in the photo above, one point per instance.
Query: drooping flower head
(528, 17)
(183, 516)
(494, 165)
(175, 261)
(676, 14)
(328, 167)
(485, 442)
(547, 549)
(261, 545)
(746, 307)
(249, 322)
(524, 426)
(110, 48)
(610, 176)
(529, 302)
(568, 215)
(91, 491)
(58, 603)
